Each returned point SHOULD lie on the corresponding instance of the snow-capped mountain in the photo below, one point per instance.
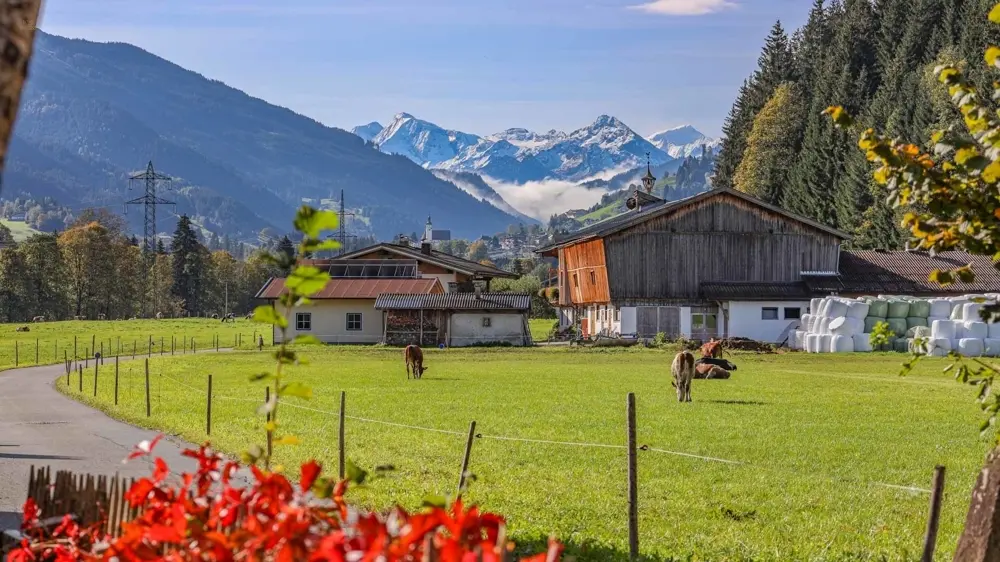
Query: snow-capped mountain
(681, 142)
(520, 155)
(369, 131)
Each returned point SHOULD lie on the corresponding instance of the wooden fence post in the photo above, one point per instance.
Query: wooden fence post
(116, 380)
(75, 356)
(633, 481)
(55, 350)
(95, 379)
(36, 351)
(148, 412)
(267, 400)
(173, 343)
(162, 350)
(216, 342)
(930, 539)
(79, 371)
(119, 345)
(93, 341)
(185, 348)
(102, 352)
(194, 348)
(149, 346)
(86, 359)
(343, 400)
(465, 458)
(15, 353)
(208, 412)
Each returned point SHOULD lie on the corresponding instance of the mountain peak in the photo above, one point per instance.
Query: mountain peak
(368, 131)
(403, 115)
(607, 121)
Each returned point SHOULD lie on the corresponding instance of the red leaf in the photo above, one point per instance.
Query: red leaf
(161, 471)
(139, 491)
(21, 555)
(310, 472)
(30, 511)
(162, 533)
(144, 448)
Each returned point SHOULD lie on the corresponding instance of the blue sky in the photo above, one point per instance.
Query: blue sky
(475, 65)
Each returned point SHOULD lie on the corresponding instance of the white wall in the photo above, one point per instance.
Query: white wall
(329, 321)
(686, 321)
(565, 317)
(467, 328)
(745, 319)
(443, 278)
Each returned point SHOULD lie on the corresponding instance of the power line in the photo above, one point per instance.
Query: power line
(149, 201)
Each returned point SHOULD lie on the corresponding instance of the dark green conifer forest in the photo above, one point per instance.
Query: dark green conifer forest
(876, 59)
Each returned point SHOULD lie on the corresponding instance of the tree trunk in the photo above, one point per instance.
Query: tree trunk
(980, 540)
(17, 34)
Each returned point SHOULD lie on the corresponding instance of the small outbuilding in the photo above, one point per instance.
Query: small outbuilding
(455, 319)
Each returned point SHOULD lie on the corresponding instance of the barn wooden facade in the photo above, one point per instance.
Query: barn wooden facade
(648, 270)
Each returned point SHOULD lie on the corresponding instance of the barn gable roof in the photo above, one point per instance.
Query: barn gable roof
(632, 218)
(435, 257)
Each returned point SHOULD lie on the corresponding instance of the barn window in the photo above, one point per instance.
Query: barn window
(593, 278)
(487, 322)
(618, 315)
(303, 321)
(353, 321)
(793, 313)
(769, 314)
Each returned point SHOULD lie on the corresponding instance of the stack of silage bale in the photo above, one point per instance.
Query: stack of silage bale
(840, 325)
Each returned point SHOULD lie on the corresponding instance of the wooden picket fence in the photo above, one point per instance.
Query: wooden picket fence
(90, 499)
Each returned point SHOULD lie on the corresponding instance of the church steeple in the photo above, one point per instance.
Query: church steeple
(649, 180)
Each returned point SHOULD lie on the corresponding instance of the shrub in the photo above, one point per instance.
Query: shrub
(207, 517)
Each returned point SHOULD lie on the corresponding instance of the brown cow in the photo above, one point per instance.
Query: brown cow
(414, 357)
(683, 371)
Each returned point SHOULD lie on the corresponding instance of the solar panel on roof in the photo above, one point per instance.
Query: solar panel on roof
(374, 269)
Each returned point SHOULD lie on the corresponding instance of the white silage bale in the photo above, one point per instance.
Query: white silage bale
(991, 347)
(994, 330)
(825, 343)
(970, 311)
(938, 352)
(800, 339)
(940, 343)
(812, 343)
(943, 329)
(971, 347)
(932, 319)
(824, 305)
(842, 344)
(814, 305)
(957, 312)
(863, 343)
(823, 326)
(940, 308)
(846, 326)
(976, 330)
(857, 310)
(837, 309)
(805, 321)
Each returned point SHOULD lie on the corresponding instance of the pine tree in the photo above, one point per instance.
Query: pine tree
(187, 265)
(286, 247)
(161, 249)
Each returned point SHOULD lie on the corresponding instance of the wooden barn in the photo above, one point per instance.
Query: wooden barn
(456, 319)
(721, 263)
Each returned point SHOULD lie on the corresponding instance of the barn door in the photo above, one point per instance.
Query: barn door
(585, 327)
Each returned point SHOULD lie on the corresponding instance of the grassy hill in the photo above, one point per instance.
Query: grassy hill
(20, 230)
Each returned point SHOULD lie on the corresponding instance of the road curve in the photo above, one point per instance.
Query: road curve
(39, 426)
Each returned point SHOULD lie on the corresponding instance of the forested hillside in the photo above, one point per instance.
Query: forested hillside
(876, 59)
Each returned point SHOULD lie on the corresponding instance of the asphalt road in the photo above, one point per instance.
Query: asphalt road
(39, 426)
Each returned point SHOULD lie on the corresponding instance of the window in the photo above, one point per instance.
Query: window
(576, 281)
(353, 321)
(593, 278)
(487, 322)
(704, 322)
(303, 321)
(618, 315)
(793, 313)
(769, 314)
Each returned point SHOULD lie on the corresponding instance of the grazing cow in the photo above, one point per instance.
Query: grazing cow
(159, 316)
(683, 371)
(249, 316)
(710, 371)
(215, 317)
(38, 319)
(79, 318)
(231, 317)
(102, 317)
(414, 357)
(22, 329)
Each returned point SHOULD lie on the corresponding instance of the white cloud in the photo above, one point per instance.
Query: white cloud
(541, 200)
(685, 7)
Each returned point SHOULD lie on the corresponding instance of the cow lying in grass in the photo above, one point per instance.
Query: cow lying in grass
(711, 368)
(683, 371)
(414, 357)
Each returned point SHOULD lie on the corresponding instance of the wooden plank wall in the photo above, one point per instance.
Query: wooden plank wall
(719, 239)
(586, 273)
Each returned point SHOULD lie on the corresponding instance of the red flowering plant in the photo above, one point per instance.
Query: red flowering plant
(209, 516)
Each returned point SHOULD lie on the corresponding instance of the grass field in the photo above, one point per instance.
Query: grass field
(19, 229)
(54, 339)
(540, 328)
(822, 440)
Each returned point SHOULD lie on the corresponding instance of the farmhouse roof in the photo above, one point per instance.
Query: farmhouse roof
(435, 257)
(455, 301)
(356, 288)
(905, 272)
(632, 218)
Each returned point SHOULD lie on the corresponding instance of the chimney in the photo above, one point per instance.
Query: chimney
(425, 248)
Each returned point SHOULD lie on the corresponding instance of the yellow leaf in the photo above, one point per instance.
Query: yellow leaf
(995, 14)
(992, 54)
(881, 176)
(991, 174)
(996, 213)
(287, 440)
(270, 426)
